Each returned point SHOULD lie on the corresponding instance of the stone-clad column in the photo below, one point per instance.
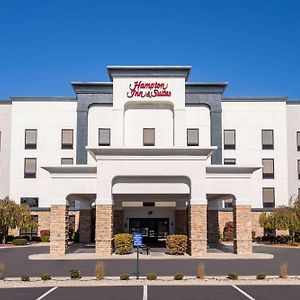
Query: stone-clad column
(85, 225)
(103, 235)
(197, 223)
(59, 229)
(242, 229)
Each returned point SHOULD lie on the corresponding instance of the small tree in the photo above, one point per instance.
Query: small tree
(13, 215)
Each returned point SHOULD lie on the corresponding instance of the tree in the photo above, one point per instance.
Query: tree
(13, 215)
(283, 218)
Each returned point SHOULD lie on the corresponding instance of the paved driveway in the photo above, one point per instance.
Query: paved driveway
(17, 263)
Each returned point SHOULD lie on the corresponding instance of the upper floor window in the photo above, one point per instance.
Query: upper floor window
(30, 168)
(298, 140)
(298, 168)
(268, 197)
(192, 137)
(30, 201)
(229, 139)
(67, 161)
(267, 138)
(67, 139)
(104, 137)
(149, 137)
(30, 138)
(229, 161)
(268, 168)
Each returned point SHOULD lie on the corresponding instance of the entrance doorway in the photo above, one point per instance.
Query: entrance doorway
(154, 230)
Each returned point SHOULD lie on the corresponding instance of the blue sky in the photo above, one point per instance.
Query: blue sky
(253, 44)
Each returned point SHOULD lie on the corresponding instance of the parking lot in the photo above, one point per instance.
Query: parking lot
(154, 293)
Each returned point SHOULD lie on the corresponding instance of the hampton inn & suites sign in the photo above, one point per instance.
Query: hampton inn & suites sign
(143, 89)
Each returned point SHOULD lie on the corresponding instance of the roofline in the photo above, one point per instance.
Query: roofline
(43, 98)
(293, 101)
(92, 87)
(205, 87)
(255, 99)
(5, 101)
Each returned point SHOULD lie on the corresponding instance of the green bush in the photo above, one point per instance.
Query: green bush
(178, 276)
(25, 278)
(123, 243)
(124, 277)
(294, 244)
(75, 274)
(176, 244)
(36, 239)
(45, 239)
(19, 242)
(2, 271)
(151, 276)
(233, 276)
(261, 276)
(45, 276)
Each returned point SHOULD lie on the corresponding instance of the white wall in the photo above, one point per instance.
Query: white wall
(248, 119)
(293, 125)
(5, 129)
(49, 118)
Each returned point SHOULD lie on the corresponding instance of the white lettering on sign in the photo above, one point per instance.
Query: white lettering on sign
(148, 89)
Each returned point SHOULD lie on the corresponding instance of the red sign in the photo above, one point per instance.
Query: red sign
(148, 89)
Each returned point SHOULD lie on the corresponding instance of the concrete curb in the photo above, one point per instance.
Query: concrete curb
(93, 256)
(15, 282)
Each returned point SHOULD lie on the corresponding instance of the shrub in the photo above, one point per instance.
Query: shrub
(75, 274)
(261, 276)
(45, 239)
(36, 239)
(201, 271)
(283, 272)
(9, 238)
(2, 271)
(20, 242)
(293, 244)
(99, 270)
(45, 232)
(151, 276)
(178, 276)
(176, 244)
(123, 243)
(233, 276)
(75, 236)
(124, 277)
(25, 278)
(228, 231)
(45, 276)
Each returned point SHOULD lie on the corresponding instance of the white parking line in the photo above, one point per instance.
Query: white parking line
(242, 292)
(47, 293)
(145, 292)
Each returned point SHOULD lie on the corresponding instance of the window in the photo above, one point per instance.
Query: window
(298, 140)
(298, 168)
(67, 139)
(229, 139)
(192, 137)
(267, 138)
(30, 201)
(148, 136)
(67, 161)
(268, 168)
(30, 168)
(30, 138)
(268, 197)
(32, 231)
(104, 137)
(229, 161)
(148, 203)
(228, 203)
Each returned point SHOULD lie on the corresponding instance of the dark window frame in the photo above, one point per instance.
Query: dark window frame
(298, 145)
(26, 199)
(67, 146)
(298, 168)
(30, 174)
(104, 144)
(229, 146)
(267, 146)
(268, 175)
(187, 137)
(31, 146)
(228, 164)
(149, 144)
(269, 204)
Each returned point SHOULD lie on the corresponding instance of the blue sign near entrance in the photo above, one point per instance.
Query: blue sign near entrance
(137, 239)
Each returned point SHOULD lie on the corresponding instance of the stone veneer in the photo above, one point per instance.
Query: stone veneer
(197, 228)
(181, 221)
(59, 223)
(85, 225)
(103, 234)
(242, 242)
